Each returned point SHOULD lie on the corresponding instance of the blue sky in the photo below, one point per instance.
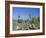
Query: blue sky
(24, 12)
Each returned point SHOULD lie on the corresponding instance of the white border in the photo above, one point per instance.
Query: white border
(29, 31)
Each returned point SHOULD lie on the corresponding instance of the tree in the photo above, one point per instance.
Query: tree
(18, 17)
(20, 20)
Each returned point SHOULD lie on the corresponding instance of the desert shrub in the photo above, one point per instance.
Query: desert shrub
(20, 20)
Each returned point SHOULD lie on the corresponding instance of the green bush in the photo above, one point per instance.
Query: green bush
(20, 20)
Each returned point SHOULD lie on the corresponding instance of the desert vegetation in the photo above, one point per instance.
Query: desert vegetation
(32, 23)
